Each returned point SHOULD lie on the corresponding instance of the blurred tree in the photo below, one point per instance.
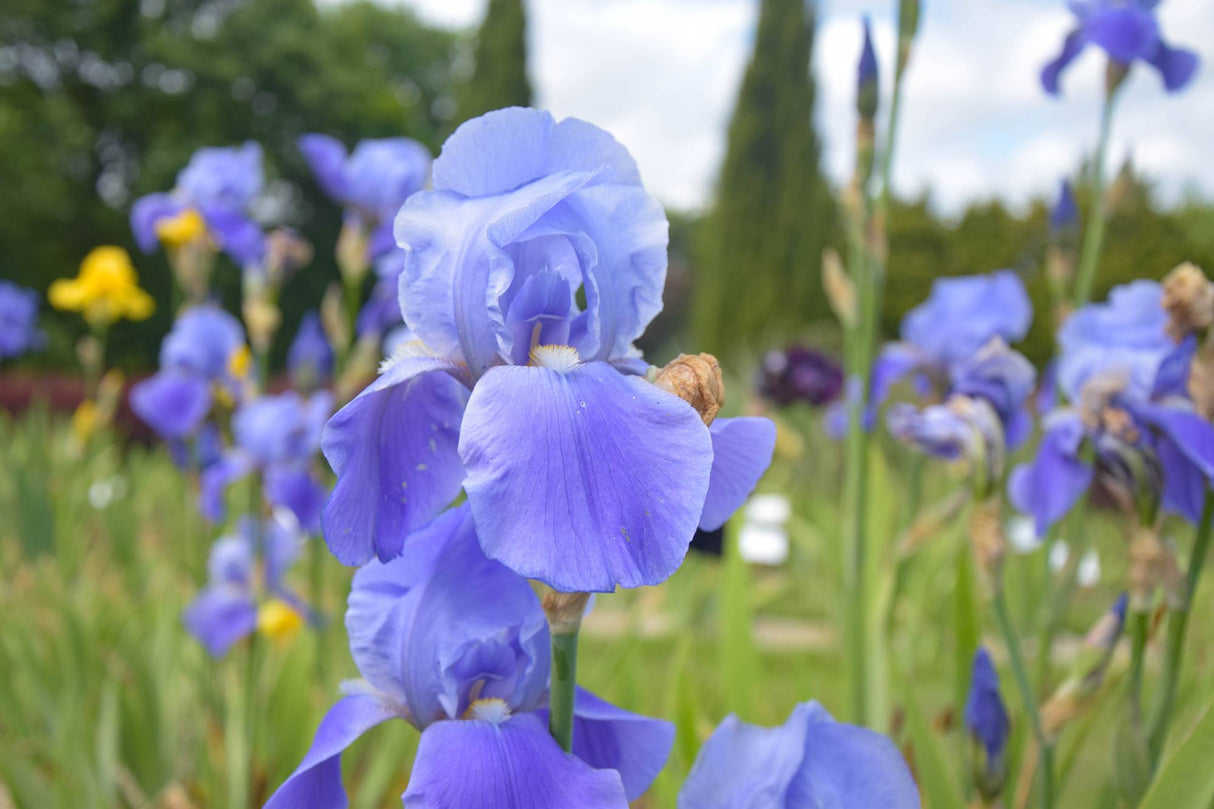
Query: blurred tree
(103, 101)
(758, 275)
(499, 78)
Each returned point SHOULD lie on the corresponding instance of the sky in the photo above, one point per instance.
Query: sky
(663, 75)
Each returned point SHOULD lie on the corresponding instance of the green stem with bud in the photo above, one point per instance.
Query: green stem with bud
(1093, 234)
(1020, 672)
(1178, 622)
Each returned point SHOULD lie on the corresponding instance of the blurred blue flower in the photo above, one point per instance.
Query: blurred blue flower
(372, 182)
(867, 74)
(1126, 382)
(19, 331)
(1128, 31)
(220, 184)
(457, 645)
(810, 760)
(277, 436)
(310, 357)
(988, 724)
(1064, 216)
(199, 359)
(226, 610)
(381, 312)
(1004, 379)
(579, 473)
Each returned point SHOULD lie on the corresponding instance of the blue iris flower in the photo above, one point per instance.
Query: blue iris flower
(225, 611)
(372, 182)
(579, 473)
(381, 313)
(457, 645)
(1064, 216)
(810, 760)
(197, 362)
(277, 436)
(1126, 381)
(220, 184)
(1128, 31)
(986, 719)
(19, 331)
(310, 357)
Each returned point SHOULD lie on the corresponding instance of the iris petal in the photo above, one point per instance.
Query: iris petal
(146, 212)
(172, 403)
(294, 487)
(584, 479)
(394, 451)
(512, 765)
(1175, 65)
(1051, 483)
(219, 616)
(1072, 46)
(741, 453)
(1125, 32)
(316, 783)
(325, 156)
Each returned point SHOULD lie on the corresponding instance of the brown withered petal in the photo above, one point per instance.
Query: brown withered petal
(697, 380)
(1188, 298)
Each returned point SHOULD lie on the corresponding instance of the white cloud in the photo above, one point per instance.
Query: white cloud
(662, 76)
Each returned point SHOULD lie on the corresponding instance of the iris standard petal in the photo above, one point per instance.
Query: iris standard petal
(1072, 46)
(325, 156)
(744, 765)
(963, 313)
(394, 450)
(741, 453)
(172, 403)
(513, 764)
(583, 478)
(455, 269)
(316, 783)
(1176, 65)
(442, 625)
(219, 616)
(893, 363)
(610, 738)
(1125, 32)
(1172, 378)
(238, 236)
(1049, 485)
(149, 210)
(508, 148)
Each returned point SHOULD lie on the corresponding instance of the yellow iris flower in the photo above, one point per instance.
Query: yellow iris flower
(279, 621)
(105, 290)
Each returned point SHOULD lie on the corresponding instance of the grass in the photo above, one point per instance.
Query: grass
(105, 701)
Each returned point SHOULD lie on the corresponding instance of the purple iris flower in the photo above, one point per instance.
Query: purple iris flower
(225, 611)
(457, 645)
(277, 436)
(799, 374)
(196, 362)
(19, 331)
(1128, 32)
(987, 721)
(310, 357)
(579, 472)
(381, 312)
(1126, 382)
(220, 184)
(372, 182)
(810, 760)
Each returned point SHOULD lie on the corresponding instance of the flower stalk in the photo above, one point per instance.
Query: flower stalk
(1093, 235)
(564, 612)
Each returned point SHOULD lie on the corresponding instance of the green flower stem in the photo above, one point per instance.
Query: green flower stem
(1021, 674)
(564, 682)
(1093, 235)
(1178, 622)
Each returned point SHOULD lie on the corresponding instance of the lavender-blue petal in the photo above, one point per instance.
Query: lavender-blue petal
(442, 624)
(985, 714)
(610, 738)
(394, 449)
(294, 487)
(238, 235)
(316, 783)
(893, 363)
(146, 212)
(1047, 487)
(228, 176)
(963, 313)
(1126, 32)
(585, 479)
(512, 765)
(1184, 485)
(202, 342)
(1192, 434)
(741, 453)
(214, 481)
(219, 616)
(172, 403)
(325, 155)
(1072, 46)
(1177, 66)
(936, 429)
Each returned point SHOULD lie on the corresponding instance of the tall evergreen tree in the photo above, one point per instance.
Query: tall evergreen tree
(500, 77)
(760, 252)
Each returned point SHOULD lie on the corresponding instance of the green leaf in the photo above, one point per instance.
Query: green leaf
(1186, 779)
(937, 783)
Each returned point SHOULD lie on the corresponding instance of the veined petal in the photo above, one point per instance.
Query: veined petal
(583, 478)
(219, 616)
(1051, 483)
(172, 403)
(610, 738)
(741, 453)
(394, 449)
(515, 764)
(316, 783)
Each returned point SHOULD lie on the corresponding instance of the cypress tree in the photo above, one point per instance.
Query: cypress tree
(760, 251)
(500, 76)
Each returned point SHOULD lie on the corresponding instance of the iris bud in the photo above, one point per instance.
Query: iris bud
(988, 725)
(697, 380)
